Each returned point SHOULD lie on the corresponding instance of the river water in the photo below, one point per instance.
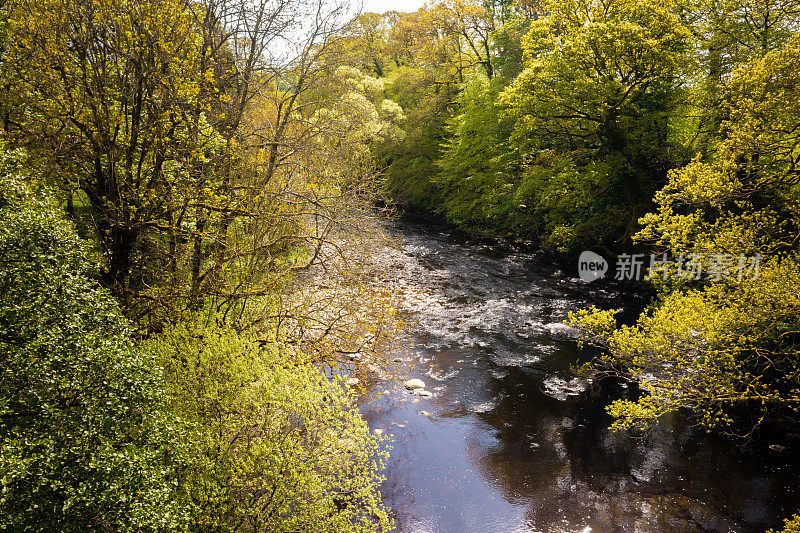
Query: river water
(507, 443)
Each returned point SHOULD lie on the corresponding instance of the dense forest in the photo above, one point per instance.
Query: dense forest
(191, 195)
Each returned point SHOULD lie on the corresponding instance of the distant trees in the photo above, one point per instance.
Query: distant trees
(477, 167)
(592, 106)
(586, 114)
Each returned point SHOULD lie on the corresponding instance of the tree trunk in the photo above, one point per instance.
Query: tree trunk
(119, 242)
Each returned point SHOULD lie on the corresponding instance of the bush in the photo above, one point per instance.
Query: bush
(791, 525)
(83, 444)
(275, 445)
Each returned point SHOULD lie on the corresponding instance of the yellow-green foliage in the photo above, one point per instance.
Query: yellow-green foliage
(790, 525)
(591, 107)
(710, 349)
(474, 168)
(745, 199)
(727, 344)
(277, 447)
(360, 117)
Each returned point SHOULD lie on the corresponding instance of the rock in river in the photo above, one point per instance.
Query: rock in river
(412, 384)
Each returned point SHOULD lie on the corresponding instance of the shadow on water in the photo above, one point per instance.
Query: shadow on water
(508, 442)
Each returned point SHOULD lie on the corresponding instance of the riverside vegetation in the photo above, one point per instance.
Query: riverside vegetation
(174, 177)
(188, 196)
(623, 126)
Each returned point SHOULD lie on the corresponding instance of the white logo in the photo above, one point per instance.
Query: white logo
(591, 266)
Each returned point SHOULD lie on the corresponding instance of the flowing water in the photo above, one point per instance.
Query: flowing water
(509, 442)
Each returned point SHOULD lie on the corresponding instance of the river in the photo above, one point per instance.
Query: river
(507, 443)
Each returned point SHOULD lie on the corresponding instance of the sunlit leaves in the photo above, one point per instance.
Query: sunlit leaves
(591, 107)
(84, 443)
(730, 345)
(277, 445)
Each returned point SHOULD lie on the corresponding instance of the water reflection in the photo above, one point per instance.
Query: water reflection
(508, 444)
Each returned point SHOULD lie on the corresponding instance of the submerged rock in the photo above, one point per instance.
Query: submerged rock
(486, 407)
(422, 392)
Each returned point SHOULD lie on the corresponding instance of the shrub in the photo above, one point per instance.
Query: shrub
(83, 444)
(276, 446)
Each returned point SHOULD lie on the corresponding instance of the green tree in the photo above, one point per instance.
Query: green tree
(592, 107)
(726, 346)
(107, 90)
(276, 445)
(84, 443)
(411, 163)
(728, 33)
(476, 169)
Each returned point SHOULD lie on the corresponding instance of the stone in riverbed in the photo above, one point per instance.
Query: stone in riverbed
(378, 432)
(778, 448)
(422, 392)
(561, 389)
(352, 382)
(412, 384)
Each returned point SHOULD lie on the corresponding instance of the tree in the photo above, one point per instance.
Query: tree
(195, 146)
(728, 34)
(476, 170)
(276, 445)
(369, 40)
(591, 110)
(109, 89)
(85, 443)
(726, 348)
(467, 26)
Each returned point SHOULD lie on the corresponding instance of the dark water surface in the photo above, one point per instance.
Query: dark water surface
(508, 444)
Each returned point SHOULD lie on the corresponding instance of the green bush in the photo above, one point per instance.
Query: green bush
(275, 445)
(83, 445)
